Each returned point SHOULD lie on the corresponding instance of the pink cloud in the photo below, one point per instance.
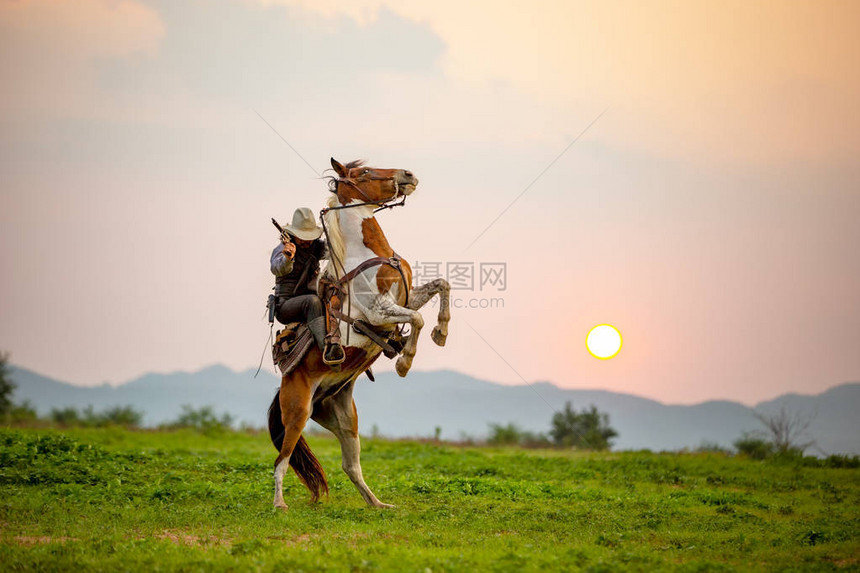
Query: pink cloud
(50, 49)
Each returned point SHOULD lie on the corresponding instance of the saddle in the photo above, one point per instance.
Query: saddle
(294, 340)
(291, 344)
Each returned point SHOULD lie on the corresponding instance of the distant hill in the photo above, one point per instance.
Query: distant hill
(460, 405)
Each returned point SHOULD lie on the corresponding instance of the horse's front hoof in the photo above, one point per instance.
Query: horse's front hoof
(438, 337)
(381, 505)
(282, 506)
(402, 366)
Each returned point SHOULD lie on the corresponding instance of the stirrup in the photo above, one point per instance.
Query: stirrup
(333, 354)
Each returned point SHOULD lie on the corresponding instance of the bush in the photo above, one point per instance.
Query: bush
(124, 416)
(841, 462)
(530, 440)
(509, 435)
(203, 419)
(512, 435)
(754, 447)
(712, 448)
(66, 416)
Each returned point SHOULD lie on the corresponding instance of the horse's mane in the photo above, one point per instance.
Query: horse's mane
(336, 244)
(332, 179)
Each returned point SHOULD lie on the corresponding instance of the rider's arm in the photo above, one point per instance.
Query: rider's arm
(281, 264)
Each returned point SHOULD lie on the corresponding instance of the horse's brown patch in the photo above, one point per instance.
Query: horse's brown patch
(354, 357)
(374, 239)
(312, 365)
(386, 277)
(354, 427)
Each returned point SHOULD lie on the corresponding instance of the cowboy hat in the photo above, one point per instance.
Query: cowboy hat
(304, 225)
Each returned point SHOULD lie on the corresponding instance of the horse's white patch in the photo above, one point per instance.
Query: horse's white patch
(345, 237)
(280, 470)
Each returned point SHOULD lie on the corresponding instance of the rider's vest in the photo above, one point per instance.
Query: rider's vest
(306, 263)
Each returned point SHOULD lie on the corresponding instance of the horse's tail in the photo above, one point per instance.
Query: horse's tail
(302, 460)
(276, 425)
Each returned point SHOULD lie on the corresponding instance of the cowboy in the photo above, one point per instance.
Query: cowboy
(295, 262)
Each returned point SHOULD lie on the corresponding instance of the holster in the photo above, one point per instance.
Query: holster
(271, 303)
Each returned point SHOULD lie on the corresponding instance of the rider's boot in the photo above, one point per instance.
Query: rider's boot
(332, 351)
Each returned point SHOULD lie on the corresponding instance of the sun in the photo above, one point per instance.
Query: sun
(603, 341)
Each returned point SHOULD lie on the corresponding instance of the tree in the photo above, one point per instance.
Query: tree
(7, 387)
(589, 429)
(786, 430)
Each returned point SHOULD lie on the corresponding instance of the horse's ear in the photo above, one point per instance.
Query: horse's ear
(338, 168)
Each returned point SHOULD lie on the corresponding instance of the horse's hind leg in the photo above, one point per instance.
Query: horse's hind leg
(338, 415)
(419, 296)
(295, 400)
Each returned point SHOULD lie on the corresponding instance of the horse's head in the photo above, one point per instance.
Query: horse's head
(357, 182)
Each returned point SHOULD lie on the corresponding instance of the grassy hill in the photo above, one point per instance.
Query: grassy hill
(112, 499)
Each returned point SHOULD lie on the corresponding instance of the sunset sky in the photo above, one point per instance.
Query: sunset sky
(711, 213)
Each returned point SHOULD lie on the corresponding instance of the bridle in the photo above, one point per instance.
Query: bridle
(388, 203)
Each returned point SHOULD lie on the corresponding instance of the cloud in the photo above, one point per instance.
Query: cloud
(752, 82)
(50, 51)
(741, 83)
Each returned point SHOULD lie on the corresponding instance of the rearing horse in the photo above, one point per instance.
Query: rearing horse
(377, 293)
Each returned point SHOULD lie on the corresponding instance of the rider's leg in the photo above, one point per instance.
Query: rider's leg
(308, 308)
(305, 308)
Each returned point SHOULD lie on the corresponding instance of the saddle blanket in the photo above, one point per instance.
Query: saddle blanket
(291, 345)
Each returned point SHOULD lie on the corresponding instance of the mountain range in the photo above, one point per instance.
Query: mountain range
(462, 406)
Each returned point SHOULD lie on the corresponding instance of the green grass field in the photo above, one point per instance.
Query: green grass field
(111, 499)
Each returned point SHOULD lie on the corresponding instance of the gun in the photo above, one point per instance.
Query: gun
(284, 234)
